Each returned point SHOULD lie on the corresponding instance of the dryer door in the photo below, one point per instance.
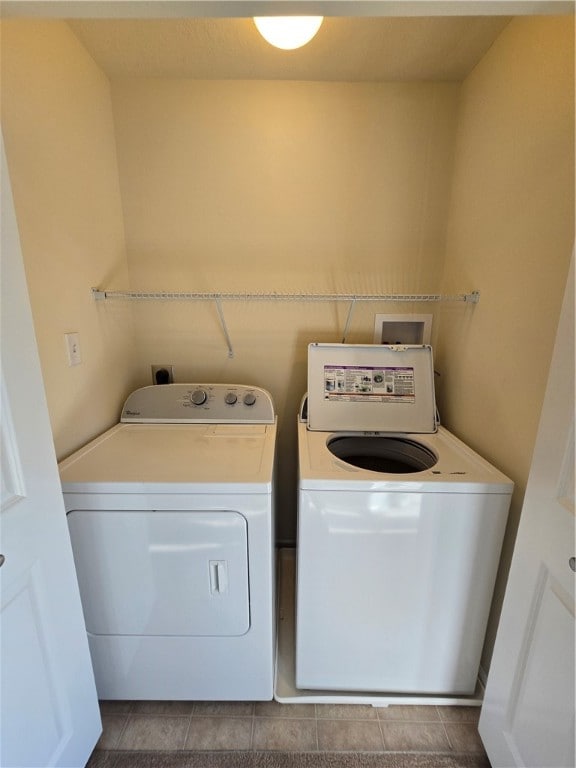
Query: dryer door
(162, 572)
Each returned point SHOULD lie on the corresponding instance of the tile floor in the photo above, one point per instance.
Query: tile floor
(270, 726)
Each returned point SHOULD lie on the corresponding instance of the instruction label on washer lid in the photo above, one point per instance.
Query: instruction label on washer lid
(354, 383)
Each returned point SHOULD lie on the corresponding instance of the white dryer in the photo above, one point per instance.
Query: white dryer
(400, 527)
(170, 514)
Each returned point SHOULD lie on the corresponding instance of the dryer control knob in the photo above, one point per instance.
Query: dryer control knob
(230, 398)
(249, 398)
(199, 396)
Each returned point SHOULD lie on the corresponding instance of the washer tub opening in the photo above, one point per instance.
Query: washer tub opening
(392, 455)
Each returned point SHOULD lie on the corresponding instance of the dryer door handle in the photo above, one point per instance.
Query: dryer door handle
(218, 577)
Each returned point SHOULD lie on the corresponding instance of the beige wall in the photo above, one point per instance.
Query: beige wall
(510, 235)
(58, 131)
(277, 186)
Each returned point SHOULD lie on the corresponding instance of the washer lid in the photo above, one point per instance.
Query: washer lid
(371, 388)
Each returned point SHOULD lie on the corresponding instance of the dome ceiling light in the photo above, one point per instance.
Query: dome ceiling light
(288, 32)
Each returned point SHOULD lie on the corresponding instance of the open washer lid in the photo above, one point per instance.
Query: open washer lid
(371, 388)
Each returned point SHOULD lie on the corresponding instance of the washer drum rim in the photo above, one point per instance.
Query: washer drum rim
(379, 453)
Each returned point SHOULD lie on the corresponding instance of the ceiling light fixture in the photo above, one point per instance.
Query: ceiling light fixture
(288, 32)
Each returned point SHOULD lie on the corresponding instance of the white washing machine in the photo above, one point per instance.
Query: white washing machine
(171, 518)
(400, 527)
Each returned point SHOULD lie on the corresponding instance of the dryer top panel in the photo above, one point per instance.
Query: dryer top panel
(174, 458)
(371, 388)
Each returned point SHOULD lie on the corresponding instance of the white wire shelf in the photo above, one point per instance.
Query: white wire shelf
(218, 298)
(101, 295)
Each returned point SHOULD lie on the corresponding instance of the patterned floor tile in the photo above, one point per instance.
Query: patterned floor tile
(349, 735)
(413, 713)
(219, 733)
(154, 732)
(422, 737)
(346, 712)
(296, 734)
